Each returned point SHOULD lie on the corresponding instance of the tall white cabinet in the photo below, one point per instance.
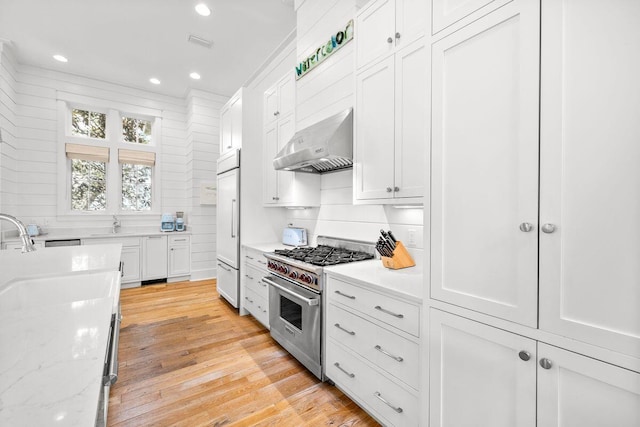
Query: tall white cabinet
(391, 103)
(231, 123)
(534, 300)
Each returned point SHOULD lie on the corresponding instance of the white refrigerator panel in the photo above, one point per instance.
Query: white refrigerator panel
(228, 283)
(228, 221)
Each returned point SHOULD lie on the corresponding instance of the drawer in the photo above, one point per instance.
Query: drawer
(387, 350)
(394, 312)
(257, 306)
(179, 240)
(367, 386)
(255, 258)
(252, 278)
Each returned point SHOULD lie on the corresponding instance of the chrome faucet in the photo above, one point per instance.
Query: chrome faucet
(27, 243)
(116, 225)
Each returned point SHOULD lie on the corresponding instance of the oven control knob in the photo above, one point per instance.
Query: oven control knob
(294, 275)
(271, 264)
(304, 277)
(284, 269)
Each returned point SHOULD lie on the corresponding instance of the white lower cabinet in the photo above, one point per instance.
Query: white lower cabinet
(372, 350)
(130, 257)
(179, 256)
(484, 376)
(154, 257)
(255, 293)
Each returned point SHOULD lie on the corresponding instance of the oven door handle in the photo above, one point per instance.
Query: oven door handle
(309, 301)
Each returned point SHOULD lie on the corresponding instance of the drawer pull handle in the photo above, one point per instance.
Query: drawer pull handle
(399, 316)
(386, 353)
(349, 374)
(250, 300)
(262, 262)
(248, 277)
(179, 240)
(345, 295)
(337, 325)
(381, 399)
(247, 256)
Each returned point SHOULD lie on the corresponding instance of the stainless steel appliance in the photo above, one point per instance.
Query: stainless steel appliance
(294, 236)
(228, 226)
(110, 373)
(295, 294)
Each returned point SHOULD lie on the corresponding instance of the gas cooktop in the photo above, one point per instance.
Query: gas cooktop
(323, 255)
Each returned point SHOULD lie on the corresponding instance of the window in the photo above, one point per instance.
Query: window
(88, 185)
(88, 123)
(136, 131)
(107, 163)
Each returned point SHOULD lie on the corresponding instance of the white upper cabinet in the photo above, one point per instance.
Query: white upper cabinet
(446, 13)
(231, 124)
(386, 25)
(391, 136)
(484, 171)
(590, 178)
(283, 188)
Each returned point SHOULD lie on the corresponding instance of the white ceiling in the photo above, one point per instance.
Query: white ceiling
(130, 41)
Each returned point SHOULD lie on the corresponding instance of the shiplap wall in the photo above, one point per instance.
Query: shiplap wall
(28, 157)
(326, 90)
(203, 140)
(8, 130)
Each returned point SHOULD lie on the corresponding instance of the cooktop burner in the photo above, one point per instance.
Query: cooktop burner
(324, 255)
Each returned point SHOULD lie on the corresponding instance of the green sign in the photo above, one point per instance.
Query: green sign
(337, 40)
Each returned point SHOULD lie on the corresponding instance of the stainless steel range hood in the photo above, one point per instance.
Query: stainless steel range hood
(326, 146)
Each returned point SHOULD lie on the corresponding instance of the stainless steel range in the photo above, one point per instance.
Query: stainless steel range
(295, 293)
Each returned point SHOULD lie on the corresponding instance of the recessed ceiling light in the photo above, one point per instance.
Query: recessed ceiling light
(203, 9)
(60, 58)
(195, 76)
(154, 81)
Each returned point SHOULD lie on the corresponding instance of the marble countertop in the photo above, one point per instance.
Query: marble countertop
(97, 234)
(55, 313)
(265, 247)
(406, 283)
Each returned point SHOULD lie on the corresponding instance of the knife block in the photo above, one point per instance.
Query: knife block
(400, 258)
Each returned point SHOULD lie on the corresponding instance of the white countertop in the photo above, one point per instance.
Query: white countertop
(55, 313)
(98, 234)
(265, 247)
(407, 282)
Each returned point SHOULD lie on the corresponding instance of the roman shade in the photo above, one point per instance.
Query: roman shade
(136, 157)
(87, 152)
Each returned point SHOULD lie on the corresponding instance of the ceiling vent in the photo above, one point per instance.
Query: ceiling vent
(200, 41)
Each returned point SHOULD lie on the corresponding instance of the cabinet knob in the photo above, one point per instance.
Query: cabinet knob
(397, 35)
(548, 228)
(276, 113)
(389, 189)
(389, 40)
(396, 189)
(524, 355)
(546, 363)
(526, 227)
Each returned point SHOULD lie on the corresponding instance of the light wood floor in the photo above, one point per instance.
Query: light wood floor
(187, 359)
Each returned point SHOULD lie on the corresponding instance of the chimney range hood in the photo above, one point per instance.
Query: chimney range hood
(326, 146)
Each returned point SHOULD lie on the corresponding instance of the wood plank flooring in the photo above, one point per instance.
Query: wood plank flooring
(187, 359)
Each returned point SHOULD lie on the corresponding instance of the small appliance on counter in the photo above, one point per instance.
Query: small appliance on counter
(294, 236)
(180, 221)
(34, 230)
(167, 224)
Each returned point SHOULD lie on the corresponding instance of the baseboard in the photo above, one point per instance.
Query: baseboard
(208, 273)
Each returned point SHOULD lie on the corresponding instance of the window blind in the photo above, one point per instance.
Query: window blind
(136, 157)
(87, 152)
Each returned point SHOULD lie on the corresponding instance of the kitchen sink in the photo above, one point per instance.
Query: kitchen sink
(40, 292)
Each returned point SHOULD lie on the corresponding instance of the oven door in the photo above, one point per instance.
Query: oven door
(294, 320)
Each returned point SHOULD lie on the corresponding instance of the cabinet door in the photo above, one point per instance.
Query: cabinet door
(270, 175)
(228, 283)
(411, 21)
(485, 165)
(225, 130)
(236, 123)
(411, 127)
(446, 13)
(286, 96)
(590, 179)
(375, 131)
(577, 391)
(179, 260)
(154, 251)
(286, 129)
(375, 27)
(478, 375)
(131, 264)
(270, 105)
